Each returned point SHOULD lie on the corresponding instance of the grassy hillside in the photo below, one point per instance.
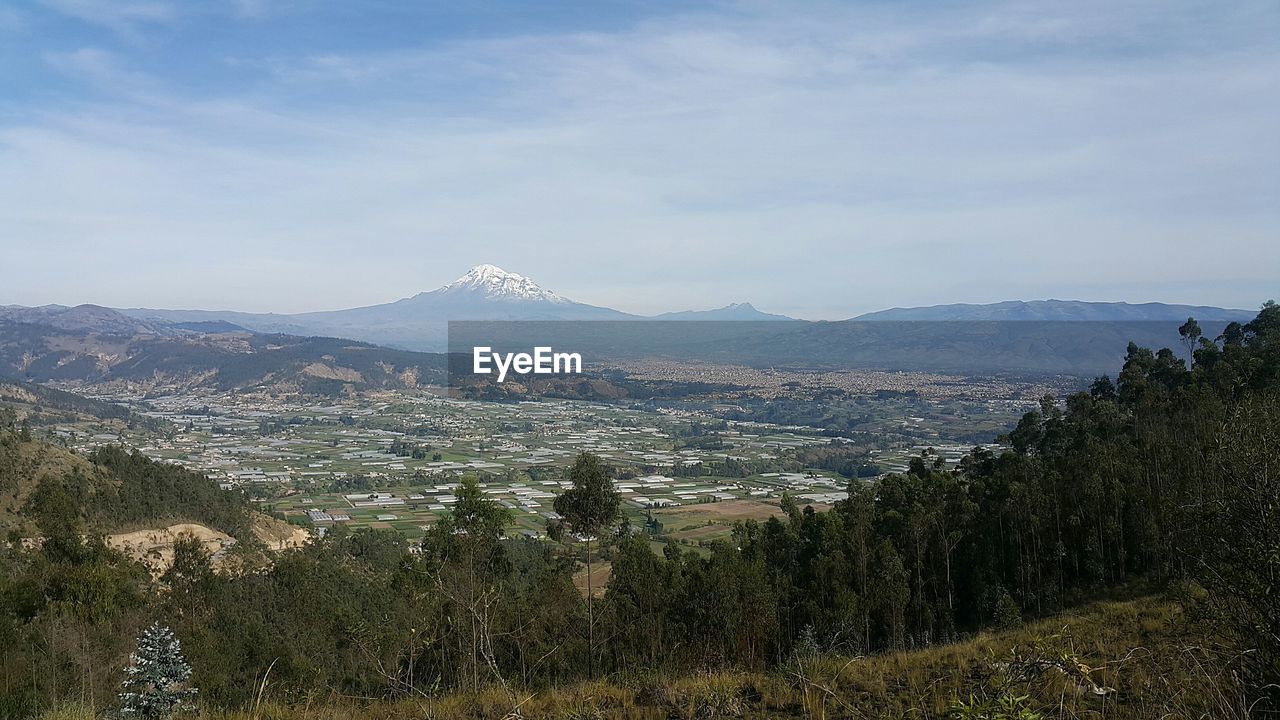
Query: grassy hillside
(110, 491)
(41, 405)
(23, 465)
(1138, 658)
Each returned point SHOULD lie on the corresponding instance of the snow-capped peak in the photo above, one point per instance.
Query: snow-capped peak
(494, 283)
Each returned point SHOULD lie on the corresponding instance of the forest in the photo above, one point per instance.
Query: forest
(1162, 482)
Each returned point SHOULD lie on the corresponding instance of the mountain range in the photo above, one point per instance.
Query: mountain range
(488, 292)
(389, 345)
(1061, 311)
(420, 322)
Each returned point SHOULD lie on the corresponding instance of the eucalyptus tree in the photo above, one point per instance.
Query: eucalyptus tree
(468, 563)
(589, 507)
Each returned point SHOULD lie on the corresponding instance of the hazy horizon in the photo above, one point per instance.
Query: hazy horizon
(820, 161)
(673, 309)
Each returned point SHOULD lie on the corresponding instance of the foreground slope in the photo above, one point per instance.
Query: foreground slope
(1128, 660)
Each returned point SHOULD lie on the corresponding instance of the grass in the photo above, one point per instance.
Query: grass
(1132, 659)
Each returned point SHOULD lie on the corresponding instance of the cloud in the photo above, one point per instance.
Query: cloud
(822, 163)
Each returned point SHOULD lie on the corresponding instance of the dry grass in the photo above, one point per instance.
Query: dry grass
(33, 462)
(1127, 660)
(278, 534)
(728, 511)
(601, 571)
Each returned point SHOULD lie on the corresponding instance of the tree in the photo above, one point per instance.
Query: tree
(470, 562)
(588, 507)
(895, 593)
(1190, 332)
(153, 686)
(1238, 560)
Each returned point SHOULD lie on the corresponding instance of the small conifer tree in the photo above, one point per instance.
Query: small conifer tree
(1007, 613)
(155, 686)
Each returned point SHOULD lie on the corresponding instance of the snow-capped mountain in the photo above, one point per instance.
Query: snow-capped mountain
(493, 283)
(420, 322)
(485, 292)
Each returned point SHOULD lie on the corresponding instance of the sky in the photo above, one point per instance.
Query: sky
(816, 159)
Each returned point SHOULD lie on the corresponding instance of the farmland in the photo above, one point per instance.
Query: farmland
(393, 459)
(394, 462)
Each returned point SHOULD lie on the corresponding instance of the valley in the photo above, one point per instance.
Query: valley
(639, 360)
(775, 519)
(393, 459)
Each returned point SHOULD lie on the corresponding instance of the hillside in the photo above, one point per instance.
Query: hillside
(40, 405)
(224, 360)
(24, 465)
(115, 491)
(1127, 660)
(86, 318)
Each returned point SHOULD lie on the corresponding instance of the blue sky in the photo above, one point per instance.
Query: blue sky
(817, 159)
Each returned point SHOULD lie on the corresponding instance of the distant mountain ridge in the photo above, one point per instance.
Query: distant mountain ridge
(339, 347)
(486, 292)
(489, 293)
(732, 311)
(98, 345)
(1061, 311)
(83, 317)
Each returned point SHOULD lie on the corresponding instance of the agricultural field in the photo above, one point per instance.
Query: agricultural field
(393, 460)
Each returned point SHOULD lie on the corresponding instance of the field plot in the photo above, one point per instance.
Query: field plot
(393, 460)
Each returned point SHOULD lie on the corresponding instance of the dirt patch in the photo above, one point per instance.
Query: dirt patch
(727, 511)
(279, 535)
(601, 571)
(154, 547)
(329, 372)
(704, 532)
